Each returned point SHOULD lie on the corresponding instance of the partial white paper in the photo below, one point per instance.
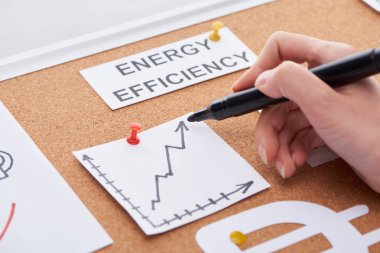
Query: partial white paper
(179, 172)
(38, 210)
(336, 227)
(42, 33)
(375, 4)
(321, 155)
(168, 68)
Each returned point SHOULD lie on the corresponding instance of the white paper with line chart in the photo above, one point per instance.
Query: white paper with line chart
(38, 210)
(180, 172)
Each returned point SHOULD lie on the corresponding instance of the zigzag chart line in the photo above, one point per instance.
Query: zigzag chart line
(157, 178)
(243, 188)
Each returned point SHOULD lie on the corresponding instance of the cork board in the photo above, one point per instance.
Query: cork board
(62, 113)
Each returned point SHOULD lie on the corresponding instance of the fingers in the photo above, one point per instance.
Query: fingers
(299, 85)
(270, 123)
(295, 122)
(303, 144)
(284, 134)
(286, 139)
(295, 154)
(275, 130)
(282, 46)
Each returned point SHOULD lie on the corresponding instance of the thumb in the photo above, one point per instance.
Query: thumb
(292, 81)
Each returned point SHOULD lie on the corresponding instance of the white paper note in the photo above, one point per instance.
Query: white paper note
(168, 68)
(375, 4)
(179, 172)
(321, 155)
(316, 219)
(38, 210)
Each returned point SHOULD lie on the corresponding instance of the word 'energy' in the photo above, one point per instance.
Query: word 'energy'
(177, 78)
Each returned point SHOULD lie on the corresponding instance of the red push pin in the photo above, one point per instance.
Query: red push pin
(133, 139)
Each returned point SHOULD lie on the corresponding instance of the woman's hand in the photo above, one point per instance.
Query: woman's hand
(347, 120)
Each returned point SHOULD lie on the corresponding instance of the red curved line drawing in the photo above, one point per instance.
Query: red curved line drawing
(8, 221)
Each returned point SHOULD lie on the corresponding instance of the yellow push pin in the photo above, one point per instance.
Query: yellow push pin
(215, 36)
(238, 238)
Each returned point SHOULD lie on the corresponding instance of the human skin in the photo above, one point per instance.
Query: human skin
(347, 119)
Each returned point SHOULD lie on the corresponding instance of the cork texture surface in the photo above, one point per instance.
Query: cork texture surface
(62, 113)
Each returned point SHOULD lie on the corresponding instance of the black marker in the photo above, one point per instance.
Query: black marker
(336, 73)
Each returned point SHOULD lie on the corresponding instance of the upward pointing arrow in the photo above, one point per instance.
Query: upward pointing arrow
(181, 126)
(88, 159)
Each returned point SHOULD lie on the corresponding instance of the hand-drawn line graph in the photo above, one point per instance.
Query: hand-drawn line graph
(242, 188)
(10, 217)
(181, 126)
(6, 163)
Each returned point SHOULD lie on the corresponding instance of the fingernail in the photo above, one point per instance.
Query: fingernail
(281, 169)
(262, 154)
(263, 78)
(294, 159)
(235, 84)
(233, 87)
